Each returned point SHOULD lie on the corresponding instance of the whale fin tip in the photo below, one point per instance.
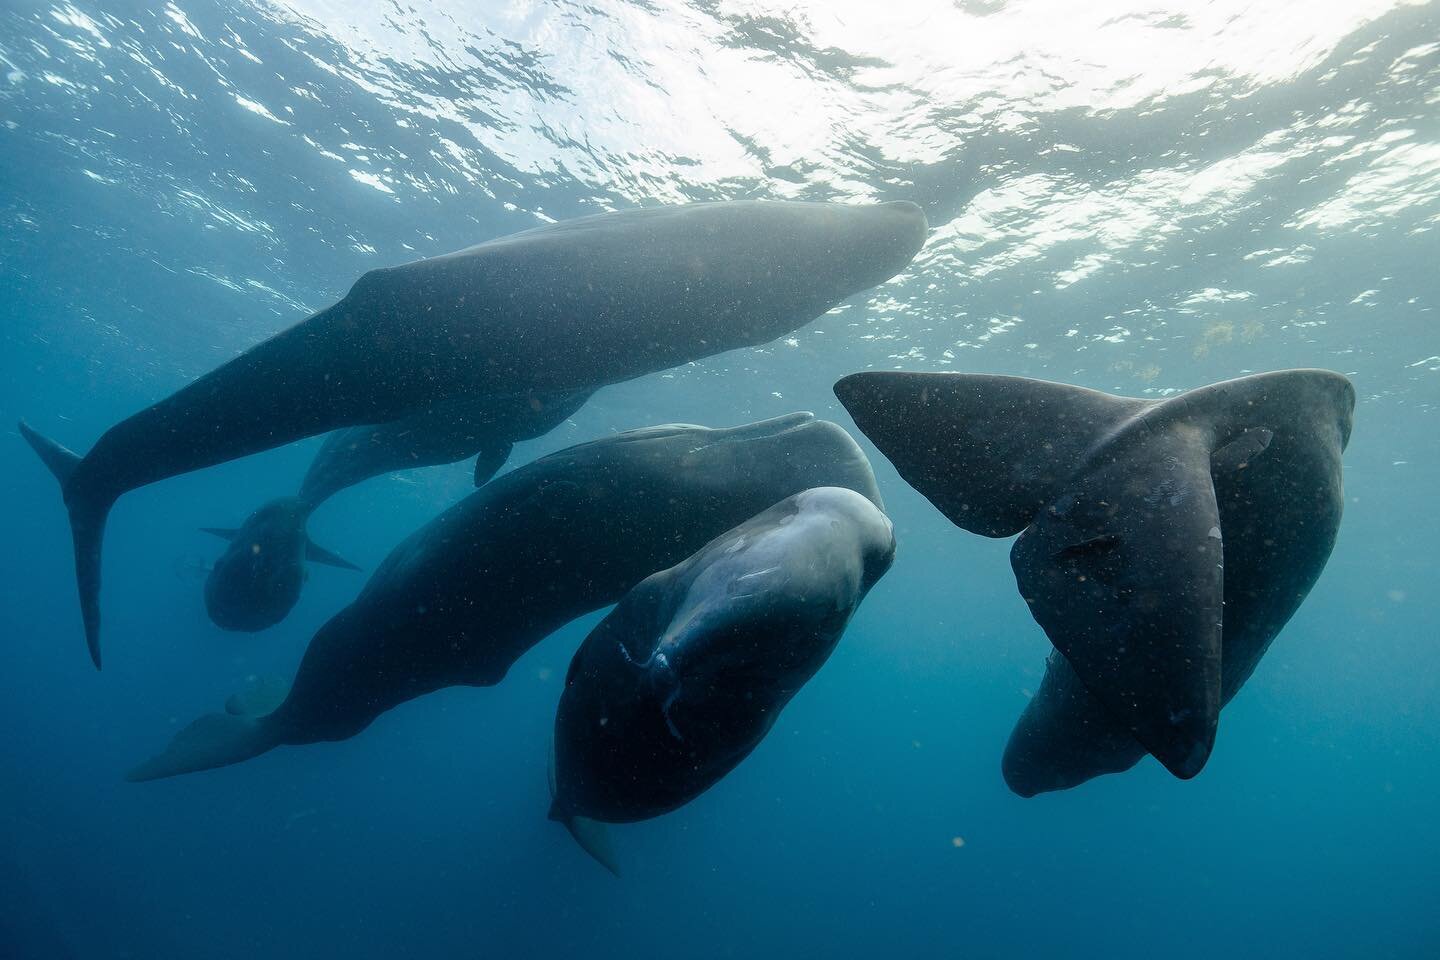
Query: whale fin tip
(592, 835)
(489, 461)
(60, 460)
(594, 839)
(318, 554)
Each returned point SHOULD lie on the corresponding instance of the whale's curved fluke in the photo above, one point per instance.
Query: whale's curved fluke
(87, 529)
(61, 461)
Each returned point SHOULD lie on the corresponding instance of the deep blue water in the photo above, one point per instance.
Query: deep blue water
(1140, 202)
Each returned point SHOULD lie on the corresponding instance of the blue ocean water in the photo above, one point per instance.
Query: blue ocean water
(1139, 198)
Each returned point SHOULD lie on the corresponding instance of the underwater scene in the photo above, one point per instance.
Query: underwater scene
(718, 479)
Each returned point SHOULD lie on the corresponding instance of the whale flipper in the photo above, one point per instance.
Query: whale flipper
(87, 529)
(594, 839)
(592, 835)
(214, 740)
(1130, 510)
(318, 554)
(263, 696)
(489, 461)
(224, 533)
(989, 452)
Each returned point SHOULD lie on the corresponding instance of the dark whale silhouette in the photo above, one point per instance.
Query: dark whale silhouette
(1163, 543)
(564, 307)
(257, 580)
(463, 597)
(682, 680)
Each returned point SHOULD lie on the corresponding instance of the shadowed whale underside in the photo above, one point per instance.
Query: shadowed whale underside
(565, 307)
(460, 600)
(1163, 543)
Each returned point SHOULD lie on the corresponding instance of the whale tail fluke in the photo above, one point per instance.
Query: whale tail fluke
(214, 740)
(87, 529)
(61, 461)
(592, 835)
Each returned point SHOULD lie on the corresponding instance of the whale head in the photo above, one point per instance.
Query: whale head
(257, 580)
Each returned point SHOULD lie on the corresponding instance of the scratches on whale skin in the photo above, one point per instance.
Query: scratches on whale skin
(665, 711)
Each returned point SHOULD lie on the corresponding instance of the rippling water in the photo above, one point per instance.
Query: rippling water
(1135, 197)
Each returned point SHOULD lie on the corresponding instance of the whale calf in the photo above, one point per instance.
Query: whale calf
(1163, 543)
(463, 597)
(446, 433)
(563, 307)
(257, 580)
(683, 679)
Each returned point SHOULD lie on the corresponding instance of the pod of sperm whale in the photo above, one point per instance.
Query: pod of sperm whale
(565, 307)
(467, 594)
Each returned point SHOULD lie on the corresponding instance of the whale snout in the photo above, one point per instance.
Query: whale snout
(876, 241)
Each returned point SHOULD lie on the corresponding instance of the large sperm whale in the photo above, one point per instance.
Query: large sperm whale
(683, 679)
(1163, 543)
(564, 307)
(257, 580)
(467, 594)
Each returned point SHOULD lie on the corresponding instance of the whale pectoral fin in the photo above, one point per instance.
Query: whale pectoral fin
(594, 838)
(263, 696)
(592, 835)
(989, 452)
(489, 461)
(224, 533)
(214, 740)
(318, 554)
(1124, 573)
